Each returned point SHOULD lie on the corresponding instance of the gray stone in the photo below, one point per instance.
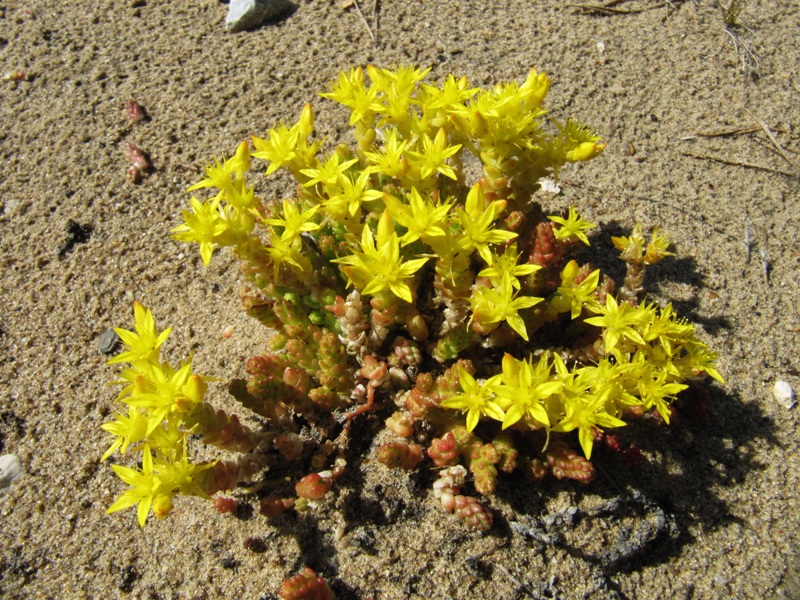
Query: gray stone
(249, 14)
(108, 341)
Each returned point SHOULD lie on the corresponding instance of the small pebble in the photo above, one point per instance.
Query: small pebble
(108, 341)
(10, 469)
(249, 14)
(784, 394)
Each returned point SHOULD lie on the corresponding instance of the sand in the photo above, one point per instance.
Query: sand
(713, 511)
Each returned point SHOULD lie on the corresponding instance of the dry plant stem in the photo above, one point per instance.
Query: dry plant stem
(746, 55)
(607, 8)
(364, 20)
(772, 139)
(729, 132)
(737, 163)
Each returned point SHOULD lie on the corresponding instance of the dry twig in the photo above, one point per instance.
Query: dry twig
(728, 132)
(607, 10)
(364, 19)
(348, 3)
(736, 163)
(772, 139)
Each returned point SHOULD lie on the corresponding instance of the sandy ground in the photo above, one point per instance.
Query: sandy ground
(713, 513)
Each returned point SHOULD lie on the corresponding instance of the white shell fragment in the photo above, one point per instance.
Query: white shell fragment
(10, 469)
(784, 394)
(549, 185)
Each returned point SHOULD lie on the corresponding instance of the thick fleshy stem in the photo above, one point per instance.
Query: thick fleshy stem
(535, 468)
(306, 585)
(327, 399)
(272, 506)
(303, 354)
(401, 423)
(334, 371)
(504, 445)
(424, 398)
(473, 513)
(294, 316)
(257, 264)
(397, 455)
(270, 394)
(444, 451)
(382, 316)
(226, 474)
(451, 344)
(496, 174)
(481, 460)
(633, 284)
(566, 463)
(453, 283)
(313, 486)
(404, 353)
(412, 320)
(447, 489)
(548, 253)
(223, 430)
(261, 310)
(353, 323)
(420, 400)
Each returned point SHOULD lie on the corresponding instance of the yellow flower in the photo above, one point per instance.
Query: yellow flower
(390, 162)
(281, 252)
(379, 267)
(507, 263)
(280, 149)
(633, 249)
(352, 193)
(434, 155)
(145, 343)
(574, 297)
(161, 390)
(349, 90)
(421, 217)
(492, 305)
(221, 175)
(203, 225)
(579, 142)
(294, 222)
(476, 400)
(330, 172)
(573, 227)
(657, 248)
(477, 219)
(128, 429)
(586, 413)
(619, 321)
(655, 391)
(146, 487)
(452, 95)
(525, 390)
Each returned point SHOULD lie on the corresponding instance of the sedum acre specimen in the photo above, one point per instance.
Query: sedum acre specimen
(410, 274)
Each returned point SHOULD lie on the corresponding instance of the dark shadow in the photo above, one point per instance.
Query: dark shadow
(648, 512)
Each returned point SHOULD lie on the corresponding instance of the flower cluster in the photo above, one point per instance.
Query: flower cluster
(164, 406)
(413, 269)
